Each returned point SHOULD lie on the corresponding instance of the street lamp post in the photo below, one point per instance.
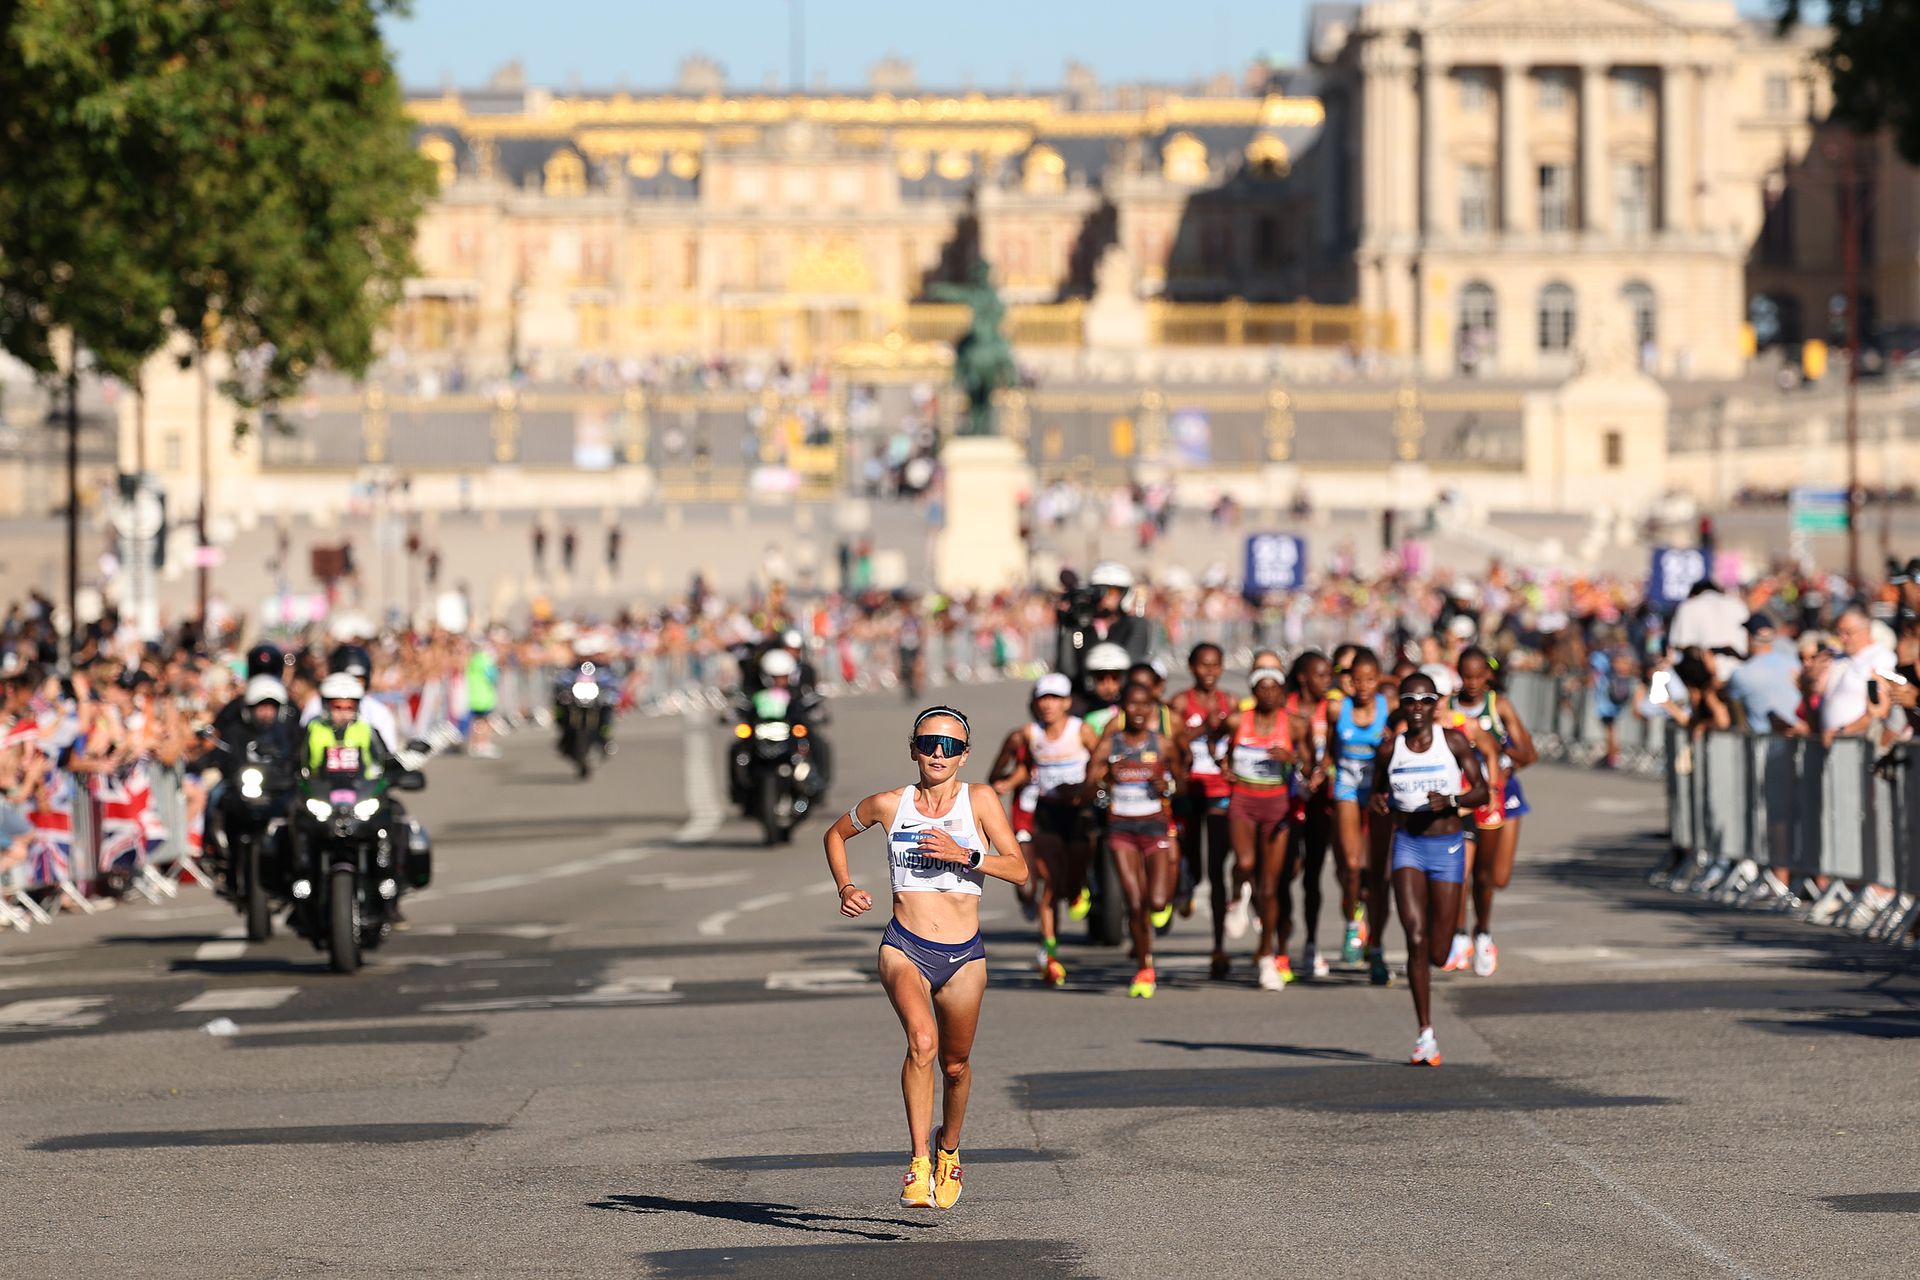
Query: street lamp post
(1850, 269)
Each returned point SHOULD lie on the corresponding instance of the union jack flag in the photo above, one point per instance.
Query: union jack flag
(130, 829)
(50, 845)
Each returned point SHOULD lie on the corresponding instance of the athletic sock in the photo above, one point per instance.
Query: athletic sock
(1050, 945)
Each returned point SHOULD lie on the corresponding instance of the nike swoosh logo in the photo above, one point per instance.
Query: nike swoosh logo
(957, 959)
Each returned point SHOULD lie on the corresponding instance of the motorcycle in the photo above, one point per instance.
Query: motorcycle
(250, 838)
(348, 863)
(775, 772)
(582, 711)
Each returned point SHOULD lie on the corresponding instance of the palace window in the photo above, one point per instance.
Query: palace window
(1556, 197)
(1479, 313)
(1556, 318)
(1779, 95)
(1632, 197)
(1641, 311)
(1555, 90)
(1475, 90)
(1632, 92)
(1476, 199)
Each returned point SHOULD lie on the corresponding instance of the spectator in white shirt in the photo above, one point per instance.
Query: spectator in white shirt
(1854, 697)
(1709, 619)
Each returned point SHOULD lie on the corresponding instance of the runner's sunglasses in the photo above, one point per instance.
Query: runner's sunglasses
(932, 744)
(1405, 698)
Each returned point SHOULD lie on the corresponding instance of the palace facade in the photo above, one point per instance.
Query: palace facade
(1468, 187)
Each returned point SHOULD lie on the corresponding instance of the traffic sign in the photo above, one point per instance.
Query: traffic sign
(1818, 510)
(1274, 562)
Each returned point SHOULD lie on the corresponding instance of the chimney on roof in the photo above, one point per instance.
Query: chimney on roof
(892, 74)
(699, 76)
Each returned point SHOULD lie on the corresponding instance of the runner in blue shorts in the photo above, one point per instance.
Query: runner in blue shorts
(1423, 779)
(1358, 731)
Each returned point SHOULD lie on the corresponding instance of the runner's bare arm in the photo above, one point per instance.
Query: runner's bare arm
(1469, 760)
(1381, 800)
(1488, 746)
(869, 812)
(1520, 749)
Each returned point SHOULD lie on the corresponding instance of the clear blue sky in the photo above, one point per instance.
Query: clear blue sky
(990, 43)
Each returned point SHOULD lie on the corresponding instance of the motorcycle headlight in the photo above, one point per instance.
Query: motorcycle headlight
(253, 783)
(367, 808)
(585, 692)
(319, 808)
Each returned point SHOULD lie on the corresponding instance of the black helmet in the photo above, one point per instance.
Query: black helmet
(266, 660)
(352, 659)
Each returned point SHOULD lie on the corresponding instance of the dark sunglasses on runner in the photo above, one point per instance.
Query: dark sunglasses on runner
(939, 744)
(1405, 698)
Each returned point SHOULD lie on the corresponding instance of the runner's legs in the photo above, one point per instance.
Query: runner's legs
(912, 1000)
(1494, 871)
(957, 1006)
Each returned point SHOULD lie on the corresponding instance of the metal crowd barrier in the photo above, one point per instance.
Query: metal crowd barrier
(1829, 833)
(1563, 715)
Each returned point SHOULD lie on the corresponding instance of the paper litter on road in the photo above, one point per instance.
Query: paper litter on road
(222, 1027)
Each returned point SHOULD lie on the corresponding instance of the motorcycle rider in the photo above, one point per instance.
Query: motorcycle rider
(780, 696)
(264, 661)
(1104, 675)
(264, 729)
(353, 660)
(589, 667)
(344, 727)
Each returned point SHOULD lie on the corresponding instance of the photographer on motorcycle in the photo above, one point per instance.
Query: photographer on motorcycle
(264, 661)
(1094, 613)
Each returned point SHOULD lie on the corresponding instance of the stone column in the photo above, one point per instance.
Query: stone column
(1675, 182)
(1593, 148)
(1516, 165)
(1433, 78)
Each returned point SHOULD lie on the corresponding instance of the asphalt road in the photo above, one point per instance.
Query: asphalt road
(599, 1052)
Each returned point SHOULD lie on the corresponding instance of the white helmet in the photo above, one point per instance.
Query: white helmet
(341, 685)
(265, 689)
(776, 663)
(1109, 574)
(1108, 657)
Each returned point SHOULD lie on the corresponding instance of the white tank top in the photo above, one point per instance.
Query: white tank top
(914, 872)
(1058, 762)
(1412, 774)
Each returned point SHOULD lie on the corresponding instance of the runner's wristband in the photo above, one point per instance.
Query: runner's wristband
(978, 856)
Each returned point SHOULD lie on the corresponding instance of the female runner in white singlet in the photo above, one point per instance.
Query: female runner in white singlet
(944, 837)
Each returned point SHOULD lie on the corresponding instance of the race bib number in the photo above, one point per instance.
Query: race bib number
(343, 760)
(1254, 765)
(1134, 800)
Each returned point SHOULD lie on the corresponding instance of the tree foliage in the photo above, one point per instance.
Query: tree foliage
(241, 170)
(1873, 57)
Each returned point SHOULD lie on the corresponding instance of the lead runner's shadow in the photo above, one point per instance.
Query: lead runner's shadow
(759, 1214)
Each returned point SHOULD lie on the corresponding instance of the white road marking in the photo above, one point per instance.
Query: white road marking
(715, 925)
(1619, 806)
(819, 980)
(1678, 957)
(235, 998)
(64, 1012)
(619, 992)
(528, 879)
(704, 810)
(681, 881)
(231, 946)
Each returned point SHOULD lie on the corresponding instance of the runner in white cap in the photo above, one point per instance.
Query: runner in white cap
(1049, 758)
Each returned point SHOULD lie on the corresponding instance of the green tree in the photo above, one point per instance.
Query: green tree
(1873, 57)
(242, 170)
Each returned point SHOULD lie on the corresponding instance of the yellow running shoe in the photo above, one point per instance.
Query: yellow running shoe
(1145, 983)
(916, 1191)
(1163, 917)
(946, 1175)
(1082, 906)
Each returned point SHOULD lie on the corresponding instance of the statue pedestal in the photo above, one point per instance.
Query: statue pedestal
(980, 547)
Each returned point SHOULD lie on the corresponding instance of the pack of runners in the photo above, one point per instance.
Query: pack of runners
(1198, 799)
